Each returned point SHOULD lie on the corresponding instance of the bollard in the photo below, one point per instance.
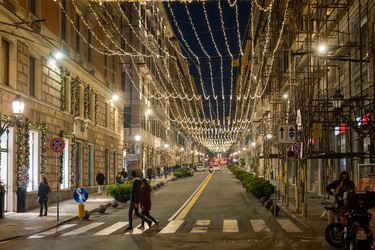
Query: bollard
(81, 210)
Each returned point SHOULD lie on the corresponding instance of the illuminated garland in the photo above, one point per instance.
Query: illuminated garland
(73, 158)
(22, 175)
(75, 93)
(43, 147)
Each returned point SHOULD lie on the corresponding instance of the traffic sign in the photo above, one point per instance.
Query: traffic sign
(317, 130)
(286, 133)
(57, 144)
(297, 147)
(80, 195)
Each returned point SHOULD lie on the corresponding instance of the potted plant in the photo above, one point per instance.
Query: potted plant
(121, 192)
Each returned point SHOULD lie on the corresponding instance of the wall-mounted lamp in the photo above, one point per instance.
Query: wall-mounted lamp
(18, 106)
(137, 138)
(57, 55)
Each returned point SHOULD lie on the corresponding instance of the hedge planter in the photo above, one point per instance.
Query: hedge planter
(121, 192)
(122, 199)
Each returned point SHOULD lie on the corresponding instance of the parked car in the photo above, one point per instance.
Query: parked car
(190, 171)
(216, 167)
(200, 167)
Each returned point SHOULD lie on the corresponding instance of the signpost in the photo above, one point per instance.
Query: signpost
(286, 133)
(57, 145)
(81, 195)
(297, 147)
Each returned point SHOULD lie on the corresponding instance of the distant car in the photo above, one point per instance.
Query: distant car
(200, 167)
(216, 167)
(190, 171)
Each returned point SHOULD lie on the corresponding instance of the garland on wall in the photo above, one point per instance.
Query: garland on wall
(43, 146)
(63, 74)
(22, 175)
(75, 93)
(73, 158)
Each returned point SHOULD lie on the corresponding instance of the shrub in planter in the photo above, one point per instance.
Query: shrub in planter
(177, 174)
(121, 192)
(183, 172)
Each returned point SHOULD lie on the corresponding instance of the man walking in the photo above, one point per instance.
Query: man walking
(135, 199)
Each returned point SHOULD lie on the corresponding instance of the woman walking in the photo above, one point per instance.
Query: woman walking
(146, 204)
(43, 191)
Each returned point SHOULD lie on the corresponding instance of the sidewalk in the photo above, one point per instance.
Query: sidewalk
(315, 207)
(20, 224)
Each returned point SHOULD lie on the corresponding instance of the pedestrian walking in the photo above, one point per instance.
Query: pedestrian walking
(100, 179)
(158, 171)
(165, 172)
(124, 175)
(119, 178)
(146, 204)
(43, 191)
(149, 173)
(135, 199)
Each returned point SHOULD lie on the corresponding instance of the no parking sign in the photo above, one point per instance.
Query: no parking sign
(297, 147)
(57, 144)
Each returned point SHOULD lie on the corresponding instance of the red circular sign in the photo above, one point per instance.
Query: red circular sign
(297, 147)
(57, 144)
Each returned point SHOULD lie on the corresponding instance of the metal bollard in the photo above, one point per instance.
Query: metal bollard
(81, 210)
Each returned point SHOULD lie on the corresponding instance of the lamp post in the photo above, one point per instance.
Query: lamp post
(137, 150)
(181, 151)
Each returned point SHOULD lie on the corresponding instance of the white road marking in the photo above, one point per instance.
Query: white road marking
(136, 230)
(83, 229)
(230, 226)
(259, 226)
(289, 226)
(51, 231)
(172, 227)
(112, 228)
(201, 226)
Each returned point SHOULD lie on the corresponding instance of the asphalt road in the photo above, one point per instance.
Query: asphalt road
(200, 212)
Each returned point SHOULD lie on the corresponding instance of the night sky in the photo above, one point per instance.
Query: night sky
(213, 12)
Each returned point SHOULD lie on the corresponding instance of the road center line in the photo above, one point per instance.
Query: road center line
(191, 201)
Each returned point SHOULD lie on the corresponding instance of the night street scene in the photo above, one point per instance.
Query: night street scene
(187, 124)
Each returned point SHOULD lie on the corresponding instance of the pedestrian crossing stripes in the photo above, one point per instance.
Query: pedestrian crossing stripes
(83, 229)
(113, 228)
(200, 227)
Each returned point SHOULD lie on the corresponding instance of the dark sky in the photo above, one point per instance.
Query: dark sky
(197, 15)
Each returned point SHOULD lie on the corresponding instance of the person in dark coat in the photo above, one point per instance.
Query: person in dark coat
(150, 173)
(124, 175)
(340, 186)
(146, 203)
(43, 191)
(100, 179)
(119, 178)
(135, 199)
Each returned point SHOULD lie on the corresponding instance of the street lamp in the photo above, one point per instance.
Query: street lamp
(18, 106)
(337, 99)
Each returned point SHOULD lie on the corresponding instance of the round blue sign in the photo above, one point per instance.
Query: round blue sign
(291, 134)
(80, 195)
